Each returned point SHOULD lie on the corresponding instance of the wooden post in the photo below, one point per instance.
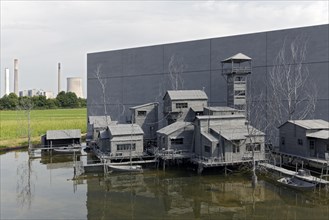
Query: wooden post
(164, 165)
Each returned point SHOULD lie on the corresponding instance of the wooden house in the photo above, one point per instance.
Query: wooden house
(177, 104)
(305, 138)
(121, 140)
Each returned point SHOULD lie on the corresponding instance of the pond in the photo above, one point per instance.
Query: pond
(45, 188)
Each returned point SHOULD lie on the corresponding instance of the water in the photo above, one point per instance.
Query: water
(44, 189)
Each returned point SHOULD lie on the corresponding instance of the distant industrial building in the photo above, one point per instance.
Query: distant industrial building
(74, 84)
(36, 92)
(7, 81)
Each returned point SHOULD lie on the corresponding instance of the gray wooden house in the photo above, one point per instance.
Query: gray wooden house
(61, 138)
(178, 103)
(96, 124)
(177, 136)
(306, 138)
(227, 138)
(146, 116)
(121, 140)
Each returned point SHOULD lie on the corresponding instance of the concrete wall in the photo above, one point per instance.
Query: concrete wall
(140, 75)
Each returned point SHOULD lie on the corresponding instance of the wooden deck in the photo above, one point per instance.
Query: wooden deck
(293, 173)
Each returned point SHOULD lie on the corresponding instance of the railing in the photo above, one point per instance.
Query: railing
(237, 70)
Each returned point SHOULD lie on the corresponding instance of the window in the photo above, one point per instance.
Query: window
(328, 147)
(126, 147)
(283, 141)
(240, 92)
(207, 149)
(181, 105)
(255, 145)
(300, 141)
(141, 113)
(312, 144)
(236, 146)
(177, 141)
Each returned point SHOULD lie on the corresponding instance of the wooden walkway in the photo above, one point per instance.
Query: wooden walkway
(293, 173)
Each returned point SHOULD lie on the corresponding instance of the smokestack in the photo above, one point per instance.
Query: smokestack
(59, 78)
(6, 81)
(16, 76)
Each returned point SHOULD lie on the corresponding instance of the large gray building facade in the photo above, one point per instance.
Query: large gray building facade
(141, 75)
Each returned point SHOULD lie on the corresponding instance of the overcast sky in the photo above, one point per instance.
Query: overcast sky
(42, 33)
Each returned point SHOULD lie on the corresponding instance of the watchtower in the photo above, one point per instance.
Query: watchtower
(236, 69)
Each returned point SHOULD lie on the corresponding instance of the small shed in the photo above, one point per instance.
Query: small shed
(306, 138)
(96, 124)
(60, 138)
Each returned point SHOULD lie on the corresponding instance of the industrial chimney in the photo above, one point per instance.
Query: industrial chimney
(16, 76)
(6, 81)
(59, 78)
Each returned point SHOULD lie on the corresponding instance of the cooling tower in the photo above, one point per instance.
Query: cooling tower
(74, 84)
(16, 76)
(59, 78)
(6, 81)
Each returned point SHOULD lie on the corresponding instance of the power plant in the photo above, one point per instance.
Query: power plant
(6, 81)
(16, 76)
(74, 84)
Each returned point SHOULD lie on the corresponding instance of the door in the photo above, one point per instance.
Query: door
(312, 148)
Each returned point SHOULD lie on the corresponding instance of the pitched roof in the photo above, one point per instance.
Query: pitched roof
(323, 134)
(125, 129)
(209, 136)
(63, 134)
(144, 105)
(100, 121)
(222, 109)
(186, 95)
(236, 131)
(310, 124)
(174, 127)
(237, 58)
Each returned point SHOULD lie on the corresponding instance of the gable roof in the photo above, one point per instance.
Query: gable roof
(63, 134)
(236, 131)
(186, 95)
(309, 124)
(222, 109)
(237, 58)
(174, 127)
(125, 129)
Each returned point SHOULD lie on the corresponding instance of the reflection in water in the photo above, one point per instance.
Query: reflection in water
(25, 183)
(174, 194)
(158, 195)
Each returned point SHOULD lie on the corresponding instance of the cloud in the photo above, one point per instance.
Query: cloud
(42, 33)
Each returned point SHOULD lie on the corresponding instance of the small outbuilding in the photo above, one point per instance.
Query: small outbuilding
(306, 138)
(61, 138)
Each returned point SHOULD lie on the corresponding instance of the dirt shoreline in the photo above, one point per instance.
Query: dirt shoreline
(6, 149)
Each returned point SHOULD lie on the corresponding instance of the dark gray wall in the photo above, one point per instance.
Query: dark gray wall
(140, 75)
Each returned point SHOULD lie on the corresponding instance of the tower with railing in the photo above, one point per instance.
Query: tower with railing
(236, 69)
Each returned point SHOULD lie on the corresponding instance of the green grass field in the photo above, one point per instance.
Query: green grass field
(14, 124)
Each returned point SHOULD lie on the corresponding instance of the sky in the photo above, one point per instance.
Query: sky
(40, 34)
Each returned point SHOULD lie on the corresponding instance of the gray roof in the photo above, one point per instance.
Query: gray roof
(310, 124)
(144, 105)
(186, 95)
(209, 136)
(237, 58)
(99, 121)
(232, 117)
(323, 134)
(222, 109)
(125, 129)
(104, 134)
(174, 127)
(237, 131)
(63, 134)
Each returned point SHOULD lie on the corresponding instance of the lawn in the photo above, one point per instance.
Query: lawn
(14, 124)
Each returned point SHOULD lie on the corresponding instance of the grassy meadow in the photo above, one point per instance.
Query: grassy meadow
(14, 124)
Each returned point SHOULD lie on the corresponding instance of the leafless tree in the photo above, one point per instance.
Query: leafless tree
(26, 105)
(176, 68)
(292, 95)
(102, 82)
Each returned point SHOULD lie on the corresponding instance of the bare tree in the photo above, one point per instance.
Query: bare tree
(26, 105)
(292, 95)
(176, 68)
